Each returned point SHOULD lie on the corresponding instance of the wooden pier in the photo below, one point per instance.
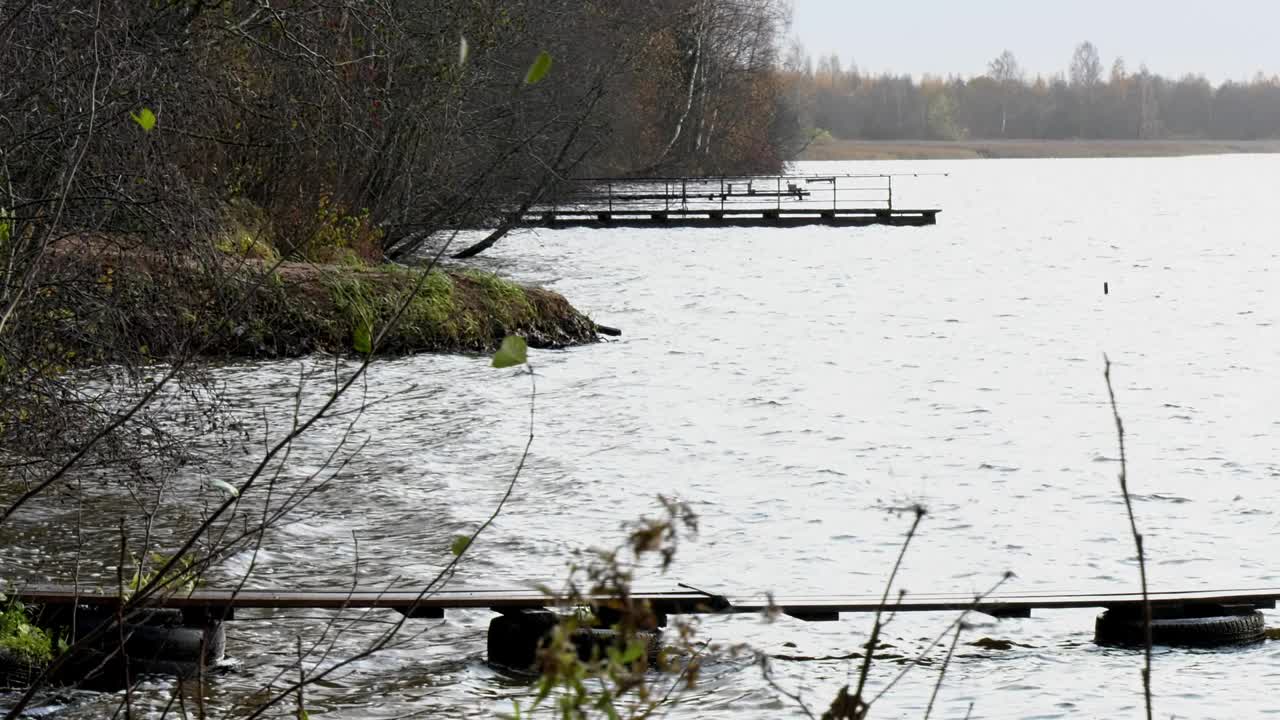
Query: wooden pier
(756, 201)
(183, 633)
(223, 603)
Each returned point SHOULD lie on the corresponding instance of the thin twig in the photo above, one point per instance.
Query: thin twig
(302, 682)
(942, 672)
(1137, 541)
(124, 656)
(878, 625)
(940, 636)
(767, 674)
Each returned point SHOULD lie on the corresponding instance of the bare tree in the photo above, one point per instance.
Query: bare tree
(1005, 71)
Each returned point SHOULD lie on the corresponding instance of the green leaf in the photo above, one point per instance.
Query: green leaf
(635, 651)
(224, 486)
(464, 50)
(460, 544)
(514, 351)
(544, 689)
(145, 119)
(363, 338)
(539, 69)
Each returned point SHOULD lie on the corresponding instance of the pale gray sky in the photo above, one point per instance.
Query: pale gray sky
(1222, 39)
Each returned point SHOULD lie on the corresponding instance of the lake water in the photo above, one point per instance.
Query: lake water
(797, 386)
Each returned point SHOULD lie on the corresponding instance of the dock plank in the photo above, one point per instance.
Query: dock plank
(679, 602)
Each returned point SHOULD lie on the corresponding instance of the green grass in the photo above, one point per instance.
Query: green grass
(431, 319)
(29, 643)
(502, 300)
(240, 243)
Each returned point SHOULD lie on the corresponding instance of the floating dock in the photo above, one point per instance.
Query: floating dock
(415, 603)
(114, 639)
(755, 201)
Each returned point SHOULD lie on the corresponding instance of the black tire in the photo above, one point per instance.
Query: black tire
(592, 641)
(1123, 628)
(155, 643)
(16, 672)
(155, 635)
(515, 639)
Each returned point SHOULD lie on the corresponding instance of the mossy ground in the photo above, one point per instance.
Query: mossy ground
(155, 308)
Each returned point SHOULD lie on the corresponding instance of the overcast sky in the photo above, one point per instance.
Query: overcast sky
(1221, 39)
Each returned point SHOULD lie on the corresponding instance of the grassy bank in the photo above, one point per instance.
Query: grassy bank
(148, 307)
(986, 149)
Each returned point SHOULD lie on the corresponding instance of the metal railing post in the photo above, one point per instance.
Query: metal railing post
(890, 191)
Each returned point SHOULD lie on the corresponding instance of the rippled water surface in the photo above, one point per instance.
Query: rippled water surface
(795, 387)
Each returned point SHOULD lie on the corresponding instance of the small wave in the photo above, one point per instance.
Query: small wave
(998, 468)
(1159, 497)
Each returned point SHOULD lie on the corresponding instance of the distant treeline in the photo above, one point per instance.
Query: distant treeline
(1087, 102)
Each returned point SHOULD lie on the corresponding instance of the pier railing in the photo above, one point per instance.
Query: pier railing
(728, 194)
(727, 201)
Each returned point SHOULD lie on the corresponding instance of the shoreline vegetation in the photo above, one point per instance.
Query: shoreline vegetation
(856, 150)
(227, 305)
(339, 139)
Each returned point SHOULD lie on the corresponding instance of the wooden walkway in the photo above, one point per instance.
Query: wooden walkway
(736, 217)
(805, 607)
(754, 201)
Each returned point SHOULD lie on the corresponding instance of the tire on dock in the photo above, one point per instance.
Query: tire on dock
(17, 672)
(155, 642)
(516, 638)
(1191, 627)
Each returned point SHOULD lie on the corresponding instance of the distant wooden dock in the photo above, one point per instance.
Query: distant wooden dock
(754, 201)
